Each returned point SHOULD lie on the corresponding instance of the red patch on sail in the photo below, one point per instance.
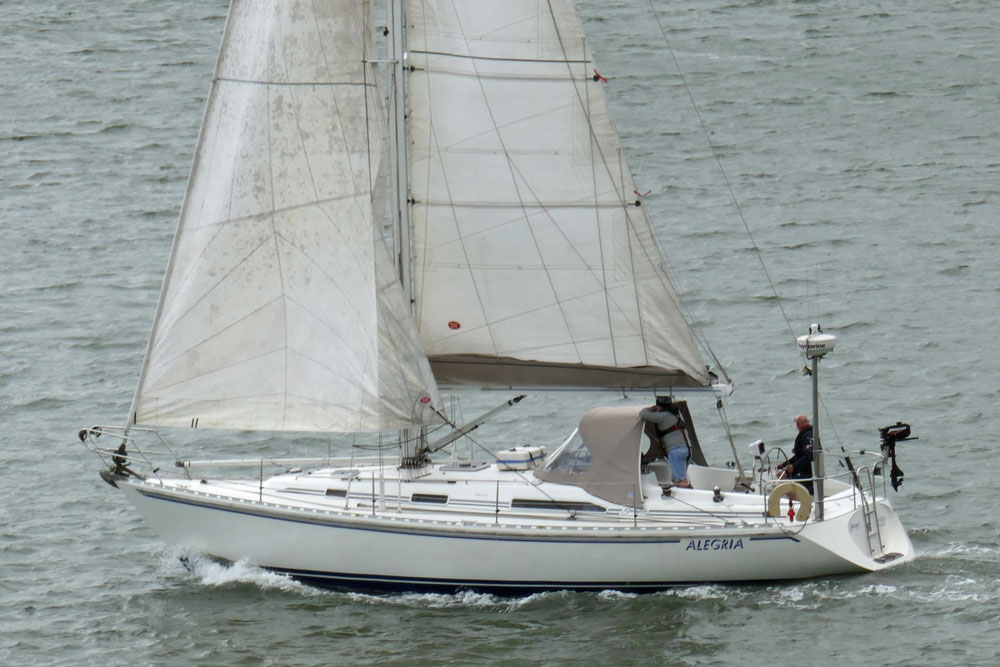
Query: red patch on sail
(454, 325)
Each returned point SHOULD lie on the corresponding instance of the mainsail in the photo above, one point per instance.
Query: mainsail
(280, 309)
(534, 263)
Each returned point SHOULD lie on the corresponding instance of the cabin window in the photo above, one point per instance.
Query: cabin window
(429, 498)
(572, 457)
(339, 493)
(568, 505)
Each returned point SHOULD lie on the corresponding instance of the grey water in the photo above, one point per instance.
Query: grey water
(858, 140)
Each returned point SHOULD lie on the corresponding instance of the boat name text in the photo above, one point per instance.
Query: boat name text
(717, 544)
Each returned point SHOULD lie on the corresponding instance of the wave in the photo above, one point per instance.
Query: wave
(464, 599)
(962, 549)
(212, 573)
(966, 587)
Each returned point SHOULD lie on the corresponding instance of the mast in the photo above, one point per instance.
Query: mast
(411, 439)
(397, 151)
(815, 344)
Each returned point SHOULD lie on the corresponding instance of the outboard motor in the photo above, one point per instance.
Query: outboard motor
(890, 436)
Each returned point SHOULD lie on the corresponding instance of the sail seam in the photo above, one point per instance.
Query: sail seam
(365, 7)
(597, 216)
(418, 275)
(479, 360)
(368, 119)
(284, 209)
(277, 250)
(508, 76)
(543, 205)
(318, 84)
(469, 56)
(631, 257)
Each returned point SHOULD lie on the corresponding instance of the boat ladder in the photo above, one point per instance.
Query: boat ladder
(870, 512)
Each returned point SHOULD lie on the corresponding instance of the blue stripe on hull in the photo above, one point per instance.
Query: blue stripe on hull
(378, 584)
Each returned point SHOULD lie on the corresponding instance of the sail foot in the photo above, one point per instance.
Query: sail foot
(507, 372)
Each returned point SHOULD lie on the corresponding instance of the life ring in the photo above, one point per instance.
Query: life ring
(791, 490)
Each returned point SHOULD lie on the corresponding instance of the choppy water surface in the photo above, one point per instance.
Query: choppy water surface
(860, 139)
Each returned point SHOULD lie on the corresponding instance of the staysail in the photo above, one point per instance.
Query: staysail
(280, 309)
(534, 263)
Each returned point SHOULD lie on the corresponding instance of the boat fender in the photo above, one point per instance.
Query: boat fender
(791, 490)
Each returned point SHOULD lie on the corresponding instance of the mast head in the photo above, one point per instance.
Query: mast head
(816, 343)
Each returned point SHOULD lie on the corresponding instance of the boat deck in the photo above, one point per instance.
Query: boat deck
(489, 496)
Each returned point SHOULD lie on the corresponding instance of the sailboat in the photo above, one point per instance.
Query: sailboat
(521, 258)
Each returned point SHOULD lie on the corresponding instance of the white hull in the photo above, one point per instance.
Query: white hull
(285, 526)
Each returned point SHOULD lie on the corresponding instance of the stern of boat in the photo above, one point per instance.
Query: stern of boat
(876, 537)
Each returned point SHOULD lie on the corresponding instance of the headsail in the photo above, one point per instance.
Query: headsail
(280, 309)
(534, 263)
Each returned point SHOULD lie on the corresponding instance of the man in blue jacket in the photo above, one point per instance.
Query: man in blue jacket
(800, 465)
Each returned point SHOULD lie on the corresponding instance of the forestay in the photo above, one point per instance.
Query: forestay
(533, 262)
(280, 309)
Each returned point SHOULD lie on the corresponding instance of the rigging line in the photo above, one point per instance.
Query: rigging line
(833, 426)
(418, 276)
(544, 206)
(277, 258)
(291, 83)
(631, 255)
(366, 9)
(718, 161)
(597, 215)
(721, 407)
(471, 56)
